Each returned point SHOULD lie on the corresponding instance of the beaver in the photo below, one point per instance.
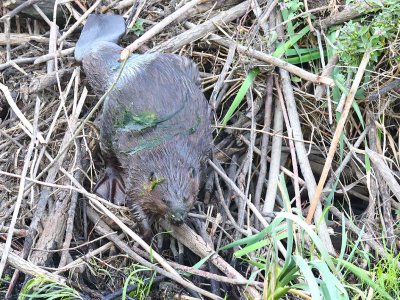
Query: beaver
(155, 124)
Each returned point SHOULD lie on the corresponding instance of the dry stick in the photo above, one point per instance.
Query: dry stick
(192, 35)
(71, 210)
(19, 8)
(350, 12)
(27, 267)
(20, 38)
(274, 61)
(301, 151)
(346, 160)
(56, 54)
(285, 171)
(312, 29)
(220, 82)
(246, 169)
(221, 173)
(302, 156)
(196, 243)
(79, 21)
(53, 124)
(85, 258)
(41, 13)
(216, 277)
(382, 175)
(276, 150)
(270, 7)
(51, 176)
(385, 172)
(258, 215)
(52, 44)
(78, 189)
(395, 84)
(156, 29)
(292, 149)
(336, 136)
(17, 111)
(104, 229)
(36, 60)
(199, 31)
(264, 141)
(132, 18)
(322, 58)
(18, 202)
(320, 90)
(220, 195)
(17, 61)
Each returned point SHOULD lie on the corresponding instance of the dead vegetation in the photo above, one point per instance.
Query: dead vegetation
(288, 123)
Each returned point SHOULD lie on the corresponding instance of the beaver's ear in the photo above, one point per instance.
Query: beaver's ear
(192, 172)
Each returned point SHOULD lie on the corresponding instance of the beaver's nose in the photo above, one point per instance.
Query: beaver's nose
(177, 217)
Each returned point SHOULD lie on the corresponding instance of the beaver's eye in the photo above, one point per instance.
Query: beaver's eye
(192, 172)
(152, 177)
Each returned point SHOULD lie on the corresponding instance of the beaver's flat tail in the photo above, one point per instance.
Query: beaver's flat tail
(99, 28)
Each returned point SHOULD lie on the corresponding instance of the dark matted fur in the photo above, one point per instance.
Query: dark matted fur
(171, 153)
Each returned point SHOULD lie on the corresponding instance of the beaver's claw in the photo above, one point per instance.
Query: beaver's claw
(111, 186)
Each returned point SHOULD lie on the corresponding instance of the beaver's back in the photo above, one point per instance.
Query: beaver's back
(156, 99)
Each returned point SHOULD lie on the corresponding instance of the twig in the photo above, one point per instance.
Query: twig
(264, 141)
(301, 151)
(18, 202)
(58, 53)
(18, 9)
(395, 84)
(292, 148)
(350, 12)
(79, 21)
(36, 60)
(320, 90)
(270, 7)
(273, 61)
(20, 38)
(158, 28)
(385, 172)
(27, 267)
(285, 171)
(199, 31)
(273, 176)
(18, 112)
(220, 82)
(336, 136)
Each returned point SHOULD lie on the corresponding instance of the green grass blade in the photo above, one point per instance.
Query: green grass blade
(241, 94)
(304, 58)
(309, 277)
(293, 40)
(362, 274)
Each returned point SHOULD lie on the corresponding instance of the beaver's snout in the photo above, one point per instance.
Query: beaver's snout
(177, 217)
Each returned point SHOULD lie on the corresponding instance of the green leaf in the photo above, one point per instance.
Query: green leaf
(309, 277)
(293, 40)
(241, 94)
(304, 58)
